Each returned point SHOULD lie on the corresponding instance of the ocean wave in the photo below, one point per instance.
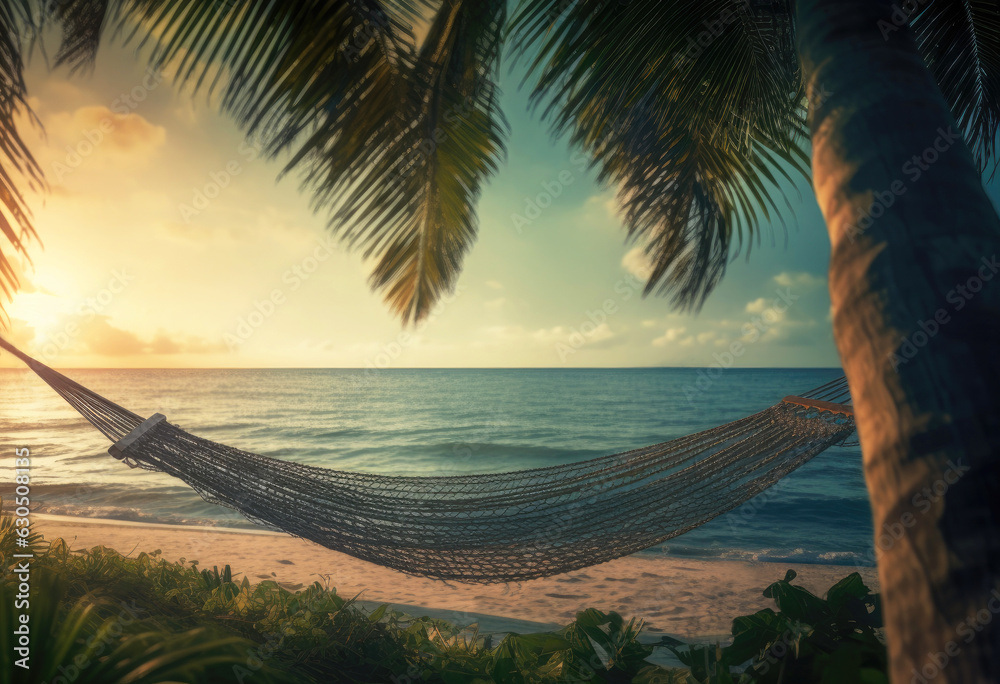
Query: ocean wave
(764, 555)
(136, 515)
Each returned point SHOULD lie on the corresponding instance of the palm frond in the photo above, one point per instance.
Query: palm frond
(275, 63)
(393, 142)
(414, 207)
(82, 23)
(960, 41)
(692, 109)
(17, 24)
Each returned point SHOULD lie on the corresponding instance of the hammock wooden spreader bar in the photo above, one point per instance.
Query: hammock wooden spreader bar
(496, 527)
(843, 409)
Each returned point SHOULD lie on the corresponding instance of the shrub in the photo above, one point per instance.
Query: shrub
(106, 618)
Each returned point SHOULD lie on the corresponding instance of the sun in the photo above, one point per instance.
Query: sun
(42, 312)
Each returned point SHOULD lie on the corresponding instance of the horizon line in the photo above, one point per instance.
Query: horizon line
(400, 368)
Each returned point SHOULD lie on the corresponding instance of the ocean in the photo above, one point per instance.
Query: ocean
(436, 422)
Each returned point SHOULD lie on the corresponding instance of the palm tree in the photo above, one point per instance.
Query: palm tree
(699, 112)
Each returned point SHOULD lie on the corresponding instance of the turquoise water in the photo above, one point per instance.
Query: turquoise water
(437, 422)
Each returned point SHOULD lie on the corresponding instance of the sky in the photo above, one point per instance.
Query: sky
(167, 241)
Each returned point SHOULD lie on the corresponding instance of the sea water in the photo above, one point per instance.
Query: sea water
(437, 422)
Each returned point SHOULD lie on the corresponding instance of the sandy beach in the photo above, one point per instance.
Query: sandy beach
(682, 597)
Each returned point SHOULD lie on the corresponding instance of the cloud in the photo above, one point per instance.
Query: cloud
(93, 132)
(27, 284)
(759, 305)
(58, 93)
(185, 113)
(567, 334)
(585, 336)
(602, 333)
(105, 339)
(637, 263)
(671, 335)
(24, 283)
(163, 343)
(799, 281)
(777, 322)
(494, 285)
(603, 205)
(95, 334)
(767, 322)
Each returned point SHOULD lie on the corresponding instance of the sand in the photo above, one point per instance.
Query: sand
(686, 598)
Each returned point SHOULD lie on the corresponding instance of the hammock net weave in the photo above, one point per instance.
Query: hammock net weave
(488, 528)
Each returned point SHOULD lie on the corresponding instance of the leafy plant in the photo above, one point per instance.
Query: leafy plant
(93, 641)
(199, 625)
(9, 538)
(809, 639)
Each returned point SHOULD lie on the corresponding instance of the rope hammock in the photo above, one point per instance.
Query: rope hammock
(489, 528)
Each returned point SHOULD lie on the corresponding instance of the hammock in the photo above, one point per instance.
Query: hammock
(488, 528)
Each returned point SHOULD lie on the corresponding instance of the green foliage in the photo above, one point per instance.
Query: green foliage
(809, 639)
(701, 143)
(18, 168)
(9, 537)
(693, 110)
(393, 137)
(143, 619)
(93, 640)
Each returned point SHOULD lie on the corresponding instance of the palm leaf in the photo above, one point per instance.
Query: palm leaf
(413, 208)
(697, 137)
(341, 88)
(69, 635)
(83, 23)
(17, 24)
(960, 41)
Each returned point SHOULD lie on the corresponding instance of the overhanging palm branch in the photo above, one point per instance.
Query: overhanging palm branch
(16, 162)
(83, 23)
(394, 142)
(692, 109)
(960, 42)
(414, 207)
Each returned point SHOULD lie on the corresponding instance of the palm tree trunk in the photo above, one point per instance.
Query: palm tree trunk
(915, 242)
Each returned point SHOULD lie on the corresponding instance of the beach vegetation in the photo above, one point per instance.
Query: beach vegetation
(838, 638)
(100, 616)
